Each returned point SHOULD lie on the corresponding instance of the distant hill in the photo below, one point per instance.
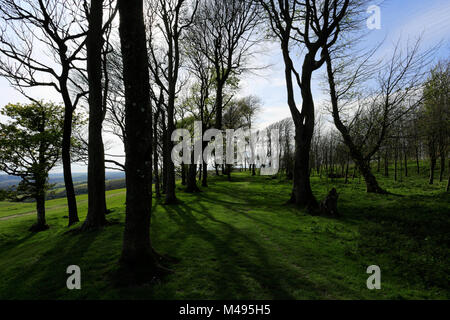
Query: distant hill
(82, 188)
(57, 179)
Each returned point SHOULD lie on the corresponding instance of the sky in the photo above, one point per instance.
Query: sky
(400, 19)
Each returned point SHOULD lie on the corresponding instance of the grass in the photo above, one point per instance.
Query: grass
(239, 240)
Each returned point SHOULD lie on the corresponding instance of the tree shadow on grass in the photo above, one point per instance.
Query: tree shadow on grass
(239, 266)
(46, 277)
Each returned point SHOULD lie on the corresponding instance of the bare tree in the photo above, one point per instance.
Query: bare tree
(54, 25)
(315, 26)
(397, 91)
(168, 21)
(200, 101)
(434, 117)
(226, 33)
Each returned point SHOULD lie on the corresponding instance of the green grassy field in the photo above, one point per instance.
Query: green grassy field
(239, 240)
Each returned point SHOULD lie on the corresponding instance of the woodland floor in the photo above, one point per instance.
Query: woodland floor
(239, 240)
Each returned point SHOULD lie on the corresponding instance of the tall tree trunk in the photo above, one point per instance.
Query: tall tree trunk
(304, 123)
(302, 193)
(406, 163)
(442, 169)
(155, 156)
(371, 182)
(401, 166)
(137, 254)
(219, 110)
(379, 163)
(96, 165)
(164, 152)
(432, 169)
(386, 164)
(448, 182)
(192, 179)
(170, 167)
(205, 175)
(40, 224)
(417, 160)
(65, 154)
(346, 169)
(219, 103)
(40, 181)
(157, 182)
(216, 167)
(395, 163)
(183, 174)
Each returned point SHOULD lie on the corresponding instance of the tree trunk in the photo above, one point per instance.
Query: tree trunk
(346, 170)
(96, 165)
(40, 224)
(417, 160)
(379, 163)
(304, 123)
(395, 164)
(448, 182)
(386, 164)
(165, 153)
(401, 167)
(155, 157)
(183, 174)
(137, 257)
(205, 175)
(371, 182)
(170, 183)
(219, 103)
(432, 169)
(216, 167)
(192, 179)
(442, 171)
(406, 164)
(302, 193)
(65, 155)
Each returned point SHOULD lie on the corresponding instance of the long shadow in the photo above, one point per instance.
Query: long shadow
(209, 199)
(47, 276)
(232, 261)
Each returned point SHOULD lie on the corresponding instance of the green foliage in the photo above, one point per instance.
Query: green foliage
(30, 143)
